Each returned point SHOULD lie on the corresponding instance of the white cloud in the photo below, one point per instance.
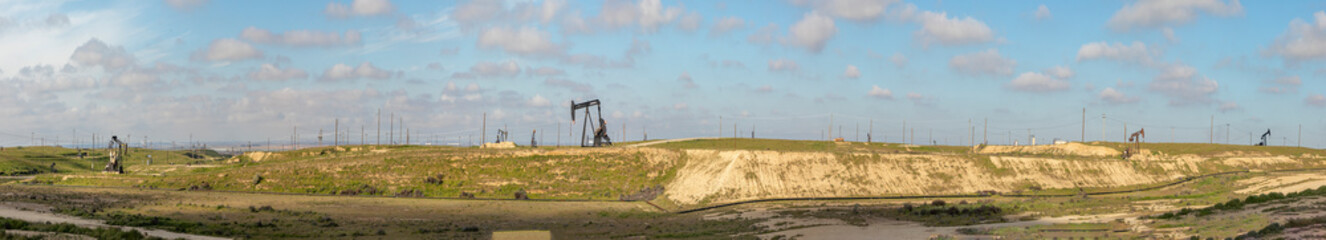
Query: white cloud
(852, 72)
(1286, 84)
(227, 49)
(1135, 53)
(57, 20)
(986, 62)
(764, 35)
(186, 4)
(1169, 35)
(855, 10)
(97, 53)
(569, 85)
(679, 106)
(1043, 13)
(346, 72)
(880, 93)
(1158, 13)
(1060, 72)
(649, 15)
(812, 32)
(686, 81)
(359, 8)
(690, 22)
(546, 72)
(539, 101)
(494, 69)
(271, 72)
(1229, 106)
(726, 25)
(782, 65)
(1037, 82)
(302, 38)
(1302, 41)
(526, 41)
(1184, 86)
(938, 28)
(1316, 100)
(1112, 96)
(898, 60)
(482, 12)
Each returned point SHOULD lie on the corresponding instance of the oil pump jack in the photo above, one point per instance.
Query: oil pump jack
(1264, 136)
(1136, 140)
(600, 131)
(118, 150)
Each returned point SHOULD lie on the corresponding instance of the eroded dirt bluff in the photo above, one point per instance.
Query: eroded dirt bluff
(714, 176)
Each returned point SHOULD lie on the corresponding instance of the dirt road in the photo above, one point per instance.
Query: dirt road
(12, 210)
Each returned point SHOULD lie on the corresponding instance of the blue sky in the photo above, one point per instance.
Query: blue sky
(253, 70)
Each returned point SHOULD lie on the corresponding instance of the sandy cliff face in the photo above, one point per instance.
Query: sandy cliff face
(724, 176)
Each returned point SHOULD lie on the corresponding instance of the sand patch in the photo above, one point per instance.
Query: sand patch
(1282, 184)
(1072, 148)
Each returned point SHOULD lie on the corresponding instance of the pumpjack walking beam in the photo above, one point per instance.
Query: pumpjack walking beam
(600, 132)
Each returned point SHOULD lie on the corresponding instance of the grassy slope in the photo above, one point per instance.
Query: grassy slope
(494, 173)
(402, 170)
(35, 160)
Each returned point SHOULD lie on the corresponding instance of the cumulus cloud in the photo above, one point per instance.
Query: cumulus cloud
(1158, 13)
(1316, 100)
(1135, 53)
(938, 28)
(526, 41)
(96, 53)
(855, 10)
(186, 4)
(986, 62)
(782, 65)
(569, 85)
(1229, 106)
(686, 81)
(1060, 72)
(1043, 13)
(491, 69)
(1037, 82)
(57, 20)
(545, 71)
(726, 25)
(1184, 86)
(648, 15)
(690, 22)
(271, 72)
(359, 8)
(365, 70)
(538, 101)
(1302, 41)
(812, 32)
(898, 60)
(1286, 84)
(764, 35)
(1109, 95)
(481, 12)
(227, 49)
(302, 38)
(852, 72)
(880, 93)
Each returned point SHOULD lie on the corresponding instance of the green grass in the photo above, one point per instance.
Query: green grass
(37, 160)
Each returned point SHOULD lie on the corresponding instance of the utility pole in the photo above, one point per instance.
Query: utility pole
(294, 138)
(391, 128)
(362, 134)
(904, 131)
(379, 126)
(483, 134)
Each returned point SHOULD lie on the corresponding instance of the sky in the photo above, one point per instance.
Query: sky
(937, 72)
